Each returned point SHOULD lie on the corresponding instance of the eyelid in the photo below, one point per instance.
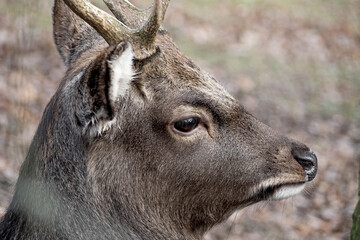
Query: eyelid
(187, 116)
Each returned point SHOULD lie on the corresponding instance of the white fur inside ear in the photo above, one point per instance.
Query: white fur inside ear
(104, 126)
(97, 128)
(121, 73)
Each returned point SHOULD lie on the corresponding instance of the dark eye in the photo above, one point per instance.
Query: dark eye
(186, 125)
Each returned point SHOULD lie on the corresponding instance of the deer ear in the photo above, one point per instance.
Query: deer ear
(106, 81)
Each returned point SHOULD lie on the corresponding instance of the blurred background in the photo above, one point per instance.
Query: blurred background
(295, 64)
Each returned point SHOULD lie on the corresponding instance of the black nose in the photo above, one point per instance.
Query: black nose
(308, 161)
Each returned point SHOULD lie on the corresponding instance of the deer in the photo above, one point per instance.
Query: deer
(138, 142)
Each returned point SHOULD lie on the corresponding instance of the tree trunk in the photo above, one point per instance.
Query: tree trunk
(355, 230)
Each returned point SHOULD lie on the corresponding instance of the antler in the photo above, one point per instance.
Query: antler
(113, 30)
(129, 14)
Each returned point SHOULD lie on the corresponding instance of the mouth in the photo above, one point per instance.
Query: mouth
(281, 191)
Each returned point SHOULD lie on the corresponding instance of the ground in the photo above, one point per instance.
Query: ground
(294, 64)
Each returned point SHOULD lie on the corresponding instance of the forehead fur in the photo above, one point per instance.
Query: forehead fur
(170, 70)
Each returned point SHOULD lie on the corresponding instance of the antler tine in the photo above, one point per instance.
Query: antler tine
(113, 31)
(143, 38)
(130, 15)
(148, 31)
(127, 13)
(165, 4)
(106, 25)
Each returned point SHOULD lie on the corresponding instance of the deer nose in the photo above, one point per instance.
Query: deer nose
(308, 162)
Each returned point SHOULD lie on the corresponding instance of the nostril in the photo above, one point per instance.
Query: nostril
(308, 162)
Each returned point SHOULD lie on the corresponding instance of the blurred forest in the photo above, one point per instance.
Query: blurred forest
(295, 64)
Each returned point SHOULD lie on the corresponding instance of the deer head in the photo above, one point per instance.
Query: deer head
(140, 143)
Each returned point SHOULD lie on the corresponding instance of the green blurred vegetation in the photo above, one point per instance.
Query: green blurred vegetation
(338, 72)
(355, 230)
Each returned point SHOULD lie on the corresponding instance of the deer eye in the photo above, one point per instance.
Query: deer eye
(186, 125)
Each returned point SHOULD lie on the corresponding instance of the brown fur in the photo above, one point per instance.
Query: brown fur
(139, 179)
